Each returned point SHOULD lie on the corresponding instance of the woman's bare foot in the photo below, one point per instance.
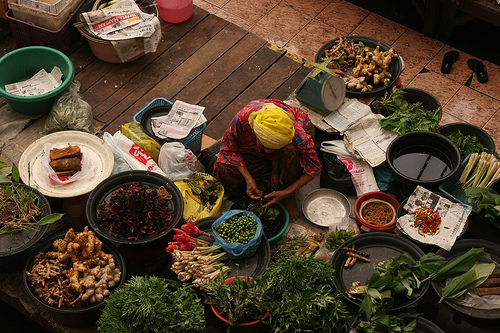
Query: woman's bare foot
(292, 208)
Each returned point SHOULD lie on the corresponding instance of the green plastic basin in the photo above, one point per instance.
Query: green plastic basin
(21, 64)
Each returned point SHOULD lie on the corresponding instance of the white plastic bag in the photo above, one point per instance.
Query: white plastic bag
(88, 170)
(176, 161)
(361, 172)
(136, 157)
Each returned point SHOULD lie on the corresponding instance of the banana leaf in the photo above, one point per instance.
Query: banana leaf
(458, 266)
(469, 280)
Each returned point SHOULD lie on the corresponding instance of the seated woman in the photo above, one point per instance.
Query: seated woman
(268, 152)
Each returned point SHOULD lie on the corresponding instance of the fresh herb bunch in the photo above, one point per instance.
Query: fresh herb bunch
(149, 304)
(405, 322)
(488, 200)
(20, 210)
(239, 302)
(399, 276)
(338, 237)
(297, 281)
(402, 116)
(467, 144)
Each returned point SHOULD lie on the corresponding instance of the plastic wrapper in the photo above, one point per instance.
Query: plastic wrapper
(134, 132)
(323, 253)
(194, 208)
(177, 161)
(70, 112)
(88, 170)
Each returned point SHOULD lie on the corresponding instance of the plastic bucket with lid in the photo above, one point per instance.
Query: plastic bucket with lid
(175, 11)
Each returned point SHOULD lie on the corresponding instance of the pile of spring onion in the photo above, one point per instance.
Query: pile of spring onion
(480, 171)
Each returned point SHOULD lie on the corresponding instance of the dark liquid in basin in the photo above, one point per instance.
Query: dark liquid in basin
(422, 166)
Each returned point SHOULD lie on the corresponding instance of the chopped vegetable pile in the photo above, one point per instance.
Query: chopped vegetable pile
(427, 221)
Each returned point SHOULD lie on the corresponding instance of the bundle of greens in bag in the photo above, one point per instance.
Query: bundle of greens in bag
(238, 232)
(70, 112)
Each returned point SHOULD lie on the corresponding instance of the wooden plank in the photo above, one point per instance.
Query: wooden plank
(243, 77)
(133, 92)
(201, 86)
(291, 84)
(283, 69)
(187, 70)
(123, 73)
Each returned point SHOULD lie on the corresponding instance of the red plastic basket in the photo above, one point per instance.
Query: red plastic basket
(29, 34)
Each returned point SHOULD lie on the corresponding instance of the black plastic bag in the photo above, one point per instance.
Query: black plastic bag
(334, 175)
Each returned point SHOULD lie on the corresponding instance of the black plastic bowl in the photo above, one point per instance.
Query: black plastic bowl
(15, 248)
(422, 158)
(395, 68)
(144, 249)
(71, 317)
(380, 246)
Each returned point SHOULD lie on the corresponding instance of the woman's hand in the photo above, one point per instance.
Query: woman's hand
(253, 191)
(274, 197)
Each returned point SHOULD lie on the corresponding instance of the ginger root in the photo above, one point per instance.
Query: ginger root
(90, 275)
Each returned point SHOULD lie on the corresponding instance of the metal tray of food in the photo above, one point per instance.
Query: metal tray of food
(325, 206)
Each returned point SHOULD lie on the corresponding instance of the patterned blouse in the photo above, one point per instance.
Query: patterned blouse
(240, 137)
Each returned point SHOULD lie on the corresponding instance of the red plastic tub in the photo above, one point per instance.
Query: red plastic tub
(368, 227)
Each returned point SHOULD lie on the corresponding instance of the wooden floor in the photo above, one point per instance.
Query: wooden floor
(206, 61)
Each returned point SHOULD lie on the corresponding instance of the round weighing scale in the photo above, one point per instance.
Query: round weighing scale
(322, 91)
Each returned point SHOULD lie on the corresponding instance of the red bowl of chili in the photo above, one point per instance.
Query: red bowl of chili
(376, 211)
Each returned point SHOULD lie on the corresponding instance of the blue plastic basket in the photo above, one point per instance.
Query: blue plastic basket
(192, 141)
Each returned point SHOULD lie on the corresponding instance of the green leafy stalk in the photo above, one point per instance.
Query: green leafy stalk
(469, 280)
(405, 322)
(458, 266)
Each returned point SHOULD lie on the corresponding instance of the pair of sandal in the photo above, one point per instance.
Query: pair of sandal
(474, 64)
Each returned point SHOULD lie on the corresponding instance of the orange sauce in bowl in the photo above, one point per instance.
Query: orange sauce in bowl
(377, 212)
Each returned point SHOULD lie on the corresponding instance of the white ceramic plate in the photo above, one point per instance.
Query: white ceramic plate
(324, 207)
(93, 147)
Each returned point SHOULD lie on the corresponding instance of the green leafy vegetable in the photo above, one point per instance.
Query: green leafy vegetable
(469, 280)
(402, 116)
(381, 322)
(304, 298)
(239, 302)
(467, 144)
(400, 275)
(338, 237)
(5, 171)
(488, 200)
(149, 304)
(458, 266)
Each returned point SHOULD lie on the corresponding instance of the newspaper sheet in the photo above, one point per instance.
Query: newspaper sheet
(179, 121)
(123, 20)
(349, 113)
(40, 83)
(369, 140)
(453, 218)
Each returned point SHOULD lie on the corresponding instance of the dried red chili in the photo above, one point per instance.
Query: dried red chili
(135, 212)
(426, 220)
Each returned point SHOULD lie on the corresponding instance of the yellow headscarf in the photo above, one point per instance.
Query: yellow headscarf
(272, 126)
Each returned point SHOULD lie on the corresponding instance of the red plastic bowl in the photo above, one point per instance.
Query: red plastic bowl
(229, 281)
(367, 227)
